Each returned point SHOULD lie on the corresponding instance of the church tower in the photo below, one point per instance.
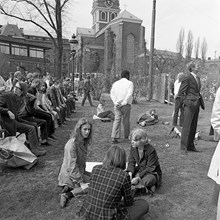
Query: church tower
(103, 11)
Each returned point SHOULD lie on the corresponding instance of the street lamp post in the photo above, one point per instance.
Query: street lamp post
(73, 43)
(151, 69)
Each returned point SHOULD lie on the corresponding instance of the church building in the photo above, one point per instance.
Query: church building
(113, 43)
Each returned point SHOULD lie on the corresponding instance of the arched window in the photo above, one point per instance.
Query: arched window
(130, 48)
(103, 16)
(112, 16)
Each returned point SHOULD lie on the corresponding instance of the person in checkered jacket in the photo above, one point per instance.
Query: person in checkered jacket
(109, 193)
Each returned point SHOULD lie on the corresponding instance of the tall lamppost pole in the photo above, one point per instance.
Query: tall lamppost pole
(73, 43)
(151, 69)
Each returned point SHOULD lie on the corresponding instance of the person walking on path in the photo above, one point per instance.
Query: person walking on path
(87, 89)
(121, 95)
(190, 88)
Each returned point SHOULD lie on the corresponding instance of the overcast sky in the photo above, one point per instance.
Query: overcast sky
(202, 17)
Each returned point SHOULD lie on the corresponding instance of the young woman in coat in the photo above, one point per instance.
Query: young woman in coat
(73, 177)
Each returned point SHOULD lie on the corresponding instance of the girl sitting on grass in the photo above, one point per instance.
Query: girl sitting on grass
(102, 113)
(73, 177)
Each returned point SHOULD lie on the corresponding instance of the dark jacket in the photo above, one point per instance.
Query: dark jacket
(148, 164)
(9, 101)
(105, 192)
(190, 89)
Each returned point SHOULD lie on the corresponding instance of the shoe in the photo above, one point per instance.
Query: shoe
(194, 150)
(134, 191)
(114, 141)
(153, 189)
(66, 189)
(38, 153)
(63, 200)
(45, 144)
(52, 137)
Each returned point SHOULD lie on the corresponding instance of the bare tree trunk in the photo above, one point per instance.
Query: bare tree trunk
(59, 39)
(189, 46)
(180, 42)
(204, 48)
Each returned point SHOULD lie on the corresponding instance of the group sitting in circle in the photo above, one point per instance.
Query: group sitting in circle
(111, 186)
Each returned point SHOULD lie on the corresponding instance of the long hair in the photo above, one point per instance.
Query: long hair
(77, 130)
(115, 157)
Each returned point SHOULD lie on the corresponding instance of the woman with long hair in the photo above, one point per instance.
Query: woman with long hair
(73, 177)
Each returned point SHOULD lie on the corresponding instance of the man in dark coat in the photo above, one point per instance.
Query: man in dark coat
(12, 105)
(190, 89)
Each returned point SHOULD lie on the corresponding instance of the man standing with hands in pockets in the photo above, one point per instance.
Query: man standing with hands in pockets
(121, 95)
(190, 89)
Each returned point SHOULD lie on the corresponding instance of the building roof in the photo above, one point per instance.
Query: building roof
(127, 16)
(123, 16)
(11, 30)
(22, 41)
(38, 33)
(85, 31)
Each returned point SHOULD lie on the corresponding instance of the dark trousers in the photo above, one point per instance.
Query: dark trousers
(48, 117)
(63, 113)
(178, 106)
(139, 208)
(189, 128)
(107, 114)
(38, 122)
(85, 96)
(149, 180)
(31, 133)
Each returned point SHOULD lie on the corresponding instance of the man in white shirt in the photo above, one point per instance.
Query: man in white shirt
(121, 95)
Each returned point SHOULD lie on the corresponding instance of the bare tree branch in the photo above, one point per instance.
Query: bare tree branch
(30, 21)
(48, 12)
(62, 5)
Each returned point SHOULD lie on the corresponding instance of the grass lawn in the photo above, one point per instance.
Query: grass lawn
(186, 191)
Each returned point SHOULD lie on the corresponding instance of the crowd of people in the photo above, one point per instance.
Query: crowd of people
(112, 186)
(37, 106)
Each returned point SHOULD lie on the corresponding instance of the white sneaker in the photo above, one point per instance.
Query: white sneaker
(95, 117)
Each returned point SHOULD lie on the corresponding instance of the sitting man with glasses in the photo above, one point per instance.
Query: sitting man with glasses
(12, 106)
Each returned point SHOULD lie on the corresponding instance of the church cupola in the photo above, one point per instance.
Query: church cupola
(103, 11)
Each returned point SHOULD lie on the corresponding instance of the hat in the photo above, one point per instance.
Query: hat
(23, 88)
